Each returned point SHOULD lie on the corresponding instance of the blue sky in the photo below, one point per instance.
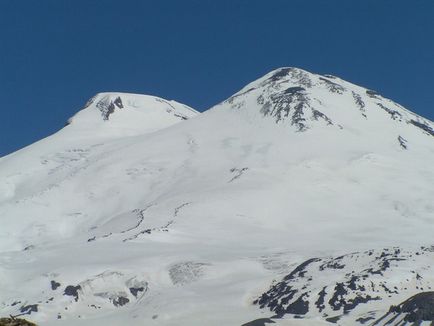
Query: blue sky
(55, 54)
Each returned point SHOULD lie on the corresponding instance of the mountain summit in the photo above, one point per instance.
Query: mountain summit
(300, 199)
(304, 99)
(129, 114)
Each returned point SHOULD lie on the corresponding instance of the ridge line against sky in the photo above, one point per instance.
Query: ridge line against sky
(58, 54)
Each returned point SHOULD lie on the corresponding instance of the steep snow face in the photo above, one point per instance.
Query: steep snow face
(293, 198)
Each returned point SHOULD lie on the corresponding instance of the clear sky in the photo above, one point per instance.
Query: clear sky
(55, 54)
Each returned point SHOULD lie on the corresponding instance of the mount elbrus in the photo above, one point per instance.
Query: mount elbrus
(301, 199)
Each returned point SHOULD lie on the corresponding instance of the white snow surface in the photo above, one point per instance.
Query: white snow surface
(158, 215)
(132, 114)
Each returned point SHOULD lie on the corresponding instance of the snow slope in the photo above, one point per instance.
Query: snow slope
(105, 118)
(300, 196)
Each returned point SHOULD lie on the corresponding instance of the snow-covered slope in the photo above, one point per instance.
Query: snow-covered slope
(106, 118)
(300, 196)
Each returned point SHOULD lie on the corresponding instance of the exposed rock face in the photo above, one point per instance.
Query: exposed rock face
(72, 290)
(285, 96)
(424, 126)
(415, 310)
(333, 287)
(15, 322)
(106, 104)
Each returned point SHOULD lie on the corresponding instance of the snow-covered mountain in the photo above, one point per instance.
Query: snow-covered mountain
(301, 200)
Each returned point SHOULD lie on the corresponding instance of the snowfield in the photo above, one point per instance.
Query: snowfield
(301, 200)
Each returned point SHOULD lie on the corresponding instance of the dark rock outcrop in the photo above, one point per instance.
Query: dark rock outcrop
(415, 310)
